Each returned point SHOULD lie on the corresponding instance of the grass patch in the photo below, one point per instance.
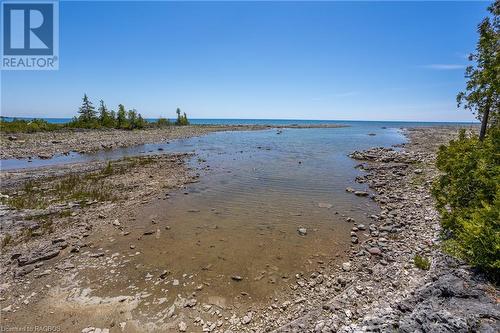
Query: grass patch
(73, 187)
(6, 240)
(29, 196)
(422, 262)
(82, 188)
(108, 170)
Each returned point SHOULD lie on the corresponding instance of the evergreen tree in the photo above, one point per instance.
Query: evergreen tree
(121, 117)
(112, 114)
(181, 119)
(178, 111)
(87, 111)
(132, 118)
(141, 123)
(105, 117)
(482, 95)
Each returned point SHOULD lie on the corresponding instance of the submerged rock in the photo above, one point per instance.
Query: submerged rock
(325, 205)
(302, 231)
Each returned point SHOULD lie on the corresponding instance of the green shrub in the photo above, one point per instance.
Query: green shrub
(182, 119)
(27, 126)
(478, 239)
(162, 122)
(467, 195)
(421, 262)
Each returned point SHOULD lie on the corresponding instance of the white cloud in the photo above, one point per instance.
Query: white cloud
(346, 94)
(444, 67)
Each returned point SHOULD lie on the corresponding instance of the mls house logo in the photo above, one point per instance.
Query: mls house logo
(30, 35)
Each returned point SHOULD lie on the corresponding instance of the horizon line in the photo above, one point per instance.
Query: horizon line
(287, 119)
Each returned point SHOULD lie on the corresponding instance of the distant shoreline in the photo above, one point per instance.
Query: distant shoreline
(47, 144)
(263, 121)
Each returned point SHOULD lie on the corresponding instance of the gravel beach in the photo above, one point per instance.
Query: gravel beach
(375, 288)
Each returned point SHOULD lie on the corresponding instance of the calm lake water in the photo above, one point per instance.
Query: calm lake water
(337, 140)
(256, 189)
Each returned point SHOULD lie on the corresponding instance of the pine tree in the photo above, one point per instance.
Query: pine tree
(87, 111)
(121, 117)
(181, 119)
(141, 123)
(132, 118)
(105, 116)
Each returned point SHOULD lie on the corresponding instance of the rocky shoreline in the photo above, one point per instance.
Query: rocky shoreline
(380, 289)
(37, 223)
(45, 145)
(377, 289)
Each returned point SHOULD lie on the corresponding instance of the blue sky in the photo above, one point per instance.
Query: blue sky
(293, 60)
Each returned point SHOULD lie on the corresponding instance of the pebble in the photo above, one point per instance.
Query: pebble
(375, 251)
(182, 327)
(246, 319)
(302, 231)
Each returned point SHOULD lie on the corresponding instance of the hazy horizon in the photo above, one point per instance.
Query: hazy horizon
(382, 61)
(473, 121)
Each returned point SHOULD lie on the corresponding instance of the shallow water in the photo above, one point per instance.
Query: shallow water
(352, 136)
(256, 189)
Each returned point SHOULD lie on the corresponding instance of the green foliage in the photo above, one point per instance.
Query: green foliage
(74, 187)
(478, 240)
(106, 118)
(182, 119)
(91, 119)
(135, 120)
(162, 122)
(421, 262)
(87, 111)
(467, 196)
(108, 170)
(77, 188)
(27, 126)
(27, 198)
(483, 86)
(121, 117)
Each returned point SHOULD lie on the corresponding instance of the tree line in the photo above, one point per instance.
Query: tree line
(468, 190)
(89, 117)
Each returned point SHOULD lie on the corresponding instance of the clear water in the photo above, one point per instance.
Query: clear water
(256, 189)
(277, 122)
(298, 142)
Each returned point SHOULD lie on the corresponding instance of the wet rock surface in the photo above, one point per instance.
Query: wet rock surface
(380, 289)
(375, 288)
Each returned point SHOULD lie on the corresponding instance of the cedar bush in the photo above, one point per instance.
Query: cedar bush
(27, 126)
(468, 198)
